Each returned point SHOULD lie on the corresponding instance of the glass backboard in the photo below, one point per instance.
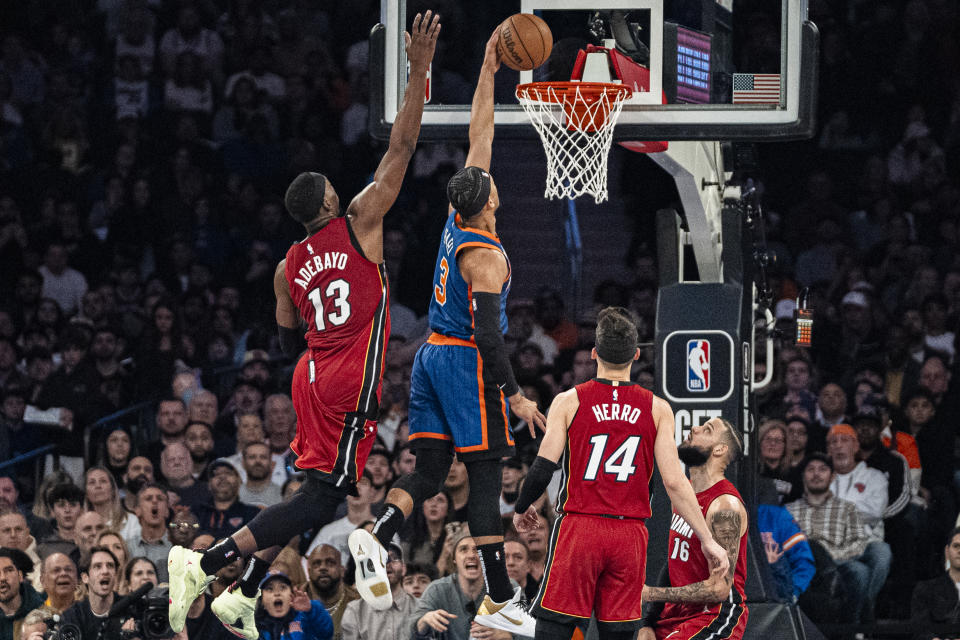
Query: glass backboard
(714, 69)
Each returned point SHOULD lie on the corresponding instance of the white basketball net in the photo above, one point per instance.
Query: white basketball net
(576, 128)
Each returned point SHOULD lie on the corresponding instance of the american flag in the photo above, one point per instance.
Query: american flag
(756, 88)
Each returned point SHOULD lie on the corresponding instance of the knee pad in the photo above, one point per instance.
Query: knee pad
(428, 476)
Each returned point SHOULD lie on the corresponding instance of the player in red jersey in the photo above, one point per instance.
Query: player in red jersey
(700, 608)
(609, 431)
(334, 281)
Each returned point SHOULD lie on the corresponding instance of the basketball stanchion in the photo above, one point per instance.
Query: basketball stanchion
(575, 122)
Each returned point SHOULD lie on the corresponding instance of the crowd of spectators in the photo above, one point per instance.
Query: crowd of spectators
(144, 147)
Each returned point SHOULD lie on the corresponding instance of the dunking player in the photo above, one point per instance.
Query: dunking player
(701, 610)
(335, 282)
(461, 380)
(609, 431)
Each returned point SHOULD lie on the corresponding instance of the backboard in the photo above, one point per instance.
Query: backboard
(718, 69)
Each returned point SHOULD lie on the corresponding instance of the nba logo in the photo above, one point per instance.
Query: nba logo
(698, 365)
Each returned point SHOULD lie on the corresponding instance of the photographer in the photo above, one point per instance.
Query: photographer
(91, 615)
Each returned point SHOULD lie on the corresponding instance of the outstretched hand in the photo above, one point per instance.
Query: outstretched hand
(527, 411)
(491, 56)
(526, 521)
(300, 601)
(421, 45)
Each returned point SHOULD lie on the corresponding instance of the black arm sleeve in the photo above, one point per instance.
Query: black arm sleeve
(486, 314)
(291, 341)
(538, 477)
(652, 610)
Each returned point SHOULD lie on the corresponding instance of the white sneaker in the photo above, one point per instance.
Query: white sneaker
(232, 607)
(187, 582)
(506, 616)
(371, 559)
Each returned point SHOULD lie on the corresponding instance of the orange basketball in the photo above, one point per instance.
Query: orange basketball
(525, 42)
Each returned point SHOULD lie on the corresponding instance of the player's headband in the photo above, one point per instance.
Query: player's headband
(468, 190)
(304, 197)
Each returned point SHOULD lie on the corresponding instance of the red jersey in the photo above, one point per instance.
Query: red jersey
(344, 299)
(609, 456)
(687, 563)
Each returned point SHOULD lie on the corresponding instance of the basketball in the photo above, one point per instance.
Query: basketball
(525, 42)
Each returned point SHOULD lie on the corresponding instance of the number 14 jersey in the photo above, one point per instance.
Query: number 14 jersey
(609, 457)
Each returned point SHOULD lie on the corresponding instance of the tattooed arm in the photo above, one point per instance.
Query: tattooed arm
(727, 520)
(711, 590)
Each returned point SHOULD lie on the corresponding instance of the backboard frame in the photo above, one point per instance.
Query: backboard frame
(794, 120)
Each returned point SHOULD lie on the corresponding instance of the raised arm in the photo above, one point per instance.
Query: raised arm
(681, 494)
(481, 110)
(370, 205)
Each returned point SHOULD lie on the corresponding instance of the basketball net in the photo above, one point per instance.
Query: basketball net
(575, 122)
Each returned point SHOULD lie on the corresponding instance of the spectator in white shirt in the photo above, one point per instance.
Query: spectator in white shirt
(61, 282)
(866, 488)
(190, 35)
(258, 489)
(358, 511)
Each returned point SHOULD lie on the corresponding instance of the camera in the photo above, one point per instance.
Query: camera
(59, 630)
(150, 615)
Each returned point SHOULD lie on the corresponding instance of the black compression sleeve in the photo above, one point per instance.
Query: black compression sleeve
(486, 315)
(541, 471)
(291, 341)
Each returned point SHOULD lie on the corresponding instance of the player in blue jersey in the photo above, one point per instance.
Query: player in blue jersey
(462, 383)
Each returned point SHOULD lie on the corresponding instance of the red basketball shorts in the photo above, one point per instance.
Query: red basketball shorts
(727, 622)
(334, 442)
(596, 565)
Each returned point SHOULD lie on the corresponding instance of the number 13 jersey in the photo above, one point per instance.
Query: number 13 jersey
(344, 300)
(609, 456)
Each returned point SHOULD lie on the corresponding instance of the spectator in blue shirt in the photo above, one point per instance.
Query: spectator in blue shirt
(287, 613)
(786, 546)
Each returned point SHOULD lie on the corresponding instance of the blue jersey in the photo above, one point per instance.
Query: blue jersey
(451, 305)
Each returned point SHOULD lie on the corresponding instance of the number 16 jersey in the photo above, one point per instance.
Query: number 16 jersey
(609, 456)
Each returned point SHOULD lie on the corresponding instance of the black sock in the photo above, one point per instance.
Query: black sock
(250, 580)
(495, 571)
(218, 556)
(388, 524)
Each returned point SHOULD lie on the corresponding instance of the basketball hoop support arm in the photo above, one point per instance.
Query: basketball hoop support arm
(698, 171)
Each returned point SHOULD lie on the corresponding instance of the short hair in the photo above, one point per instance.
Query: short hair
(816, 456)
(425, 568)
(304, 197)
(243, 454)
(85, 562)
(616, 336)
(151, 485)
(733, 440)
(206, 425)
(171, 399)
(953, 534)
(381, 451)
(918, 392)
